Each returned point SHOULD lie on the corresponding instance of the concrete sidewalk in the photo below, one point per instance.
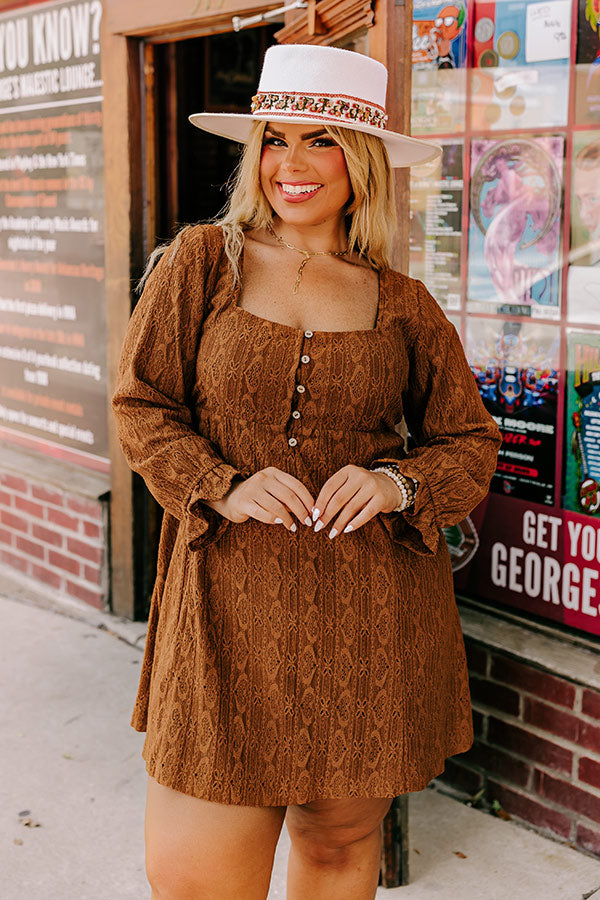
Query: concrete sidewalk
(71, 766)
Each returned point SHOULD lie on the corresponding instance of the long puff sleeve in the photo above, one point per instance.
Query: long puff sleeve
(456, 439)
(152, 400)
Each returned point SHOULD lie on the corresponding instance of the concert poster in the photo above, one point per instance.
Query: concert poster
(515, 365)
(582, 426)
(436, 198)
(514, 226)
(439, 55)
(520, 74)
(587, 70)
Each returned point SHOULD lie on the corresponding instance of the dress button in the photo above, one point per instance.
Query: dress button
(296, 414)
(300, 388)
(305, 358)
(292, 442)
(308, 334)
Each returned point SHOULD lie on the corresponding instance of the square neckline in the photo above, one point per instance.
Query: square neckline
(301, 331)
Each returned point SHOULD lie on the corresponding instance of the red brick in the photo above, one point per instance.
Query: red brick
(497, 761)
(93, 575)
(496, 695)
(532, 680)
(5, 498)
(29, 507)
(518, 804)
(91, 530)
(587, 839)
(520, 741)
(589, 736)
(60, 518)
(13, 482)
(90, 508)
(15, 562)
(476, 658)
(30, 548)
(6, 537)
(567, 795)
(46, 576)
(590, 704)
(461, 777)
(66, 563)
(550, 719)
(82, 593)
(478, 723)
(46, 496)
(47, 536)
(94, 554)
(589, 771)
(12, 521)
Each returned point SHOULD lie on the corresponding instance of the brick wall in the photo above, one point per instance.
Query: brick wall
(536, 750)
(56, 537)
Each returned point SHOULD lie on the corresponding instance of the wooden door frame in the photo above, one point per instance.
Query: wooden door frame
(126, 26)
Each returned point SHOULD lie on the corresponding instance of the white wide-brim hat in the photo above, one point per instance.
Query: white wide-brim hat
(321, 85)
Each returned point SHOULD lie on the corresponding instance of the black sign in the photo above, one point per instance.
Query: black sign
(52, 298)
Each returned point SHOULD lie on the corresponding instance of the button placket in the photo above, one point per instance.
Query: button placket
(301, 390)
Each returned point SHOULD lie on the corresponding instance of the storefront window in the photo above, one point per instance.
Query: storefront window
(505, 232)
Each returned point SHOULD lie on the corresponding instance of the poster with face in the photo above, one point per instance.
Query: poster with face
(585, 209)
(516, 368)
(514, 226)
(439, 36)
(436, 196)
(520, 75)
(582, 426)
(587, 73)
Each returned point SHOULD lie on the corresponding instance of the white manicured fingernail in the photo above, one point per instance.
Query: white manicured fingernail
(315, 514)
(293, 526)
(308, 521)
(318, 526)
(279, 521)
(347, 529)
(333, 532)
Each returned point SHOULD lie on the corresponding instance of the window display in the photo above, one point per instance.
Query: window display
(505, 232)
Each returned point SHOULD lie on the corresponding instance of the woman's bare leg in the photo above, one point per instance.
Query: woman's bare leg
(336, 849)
(197, 850)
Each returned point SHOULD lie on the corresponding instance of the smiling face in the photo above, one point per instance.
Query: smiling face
(303, 174)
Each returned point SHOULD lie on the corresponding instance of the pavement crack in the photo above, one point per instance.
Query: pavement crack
(590, 893)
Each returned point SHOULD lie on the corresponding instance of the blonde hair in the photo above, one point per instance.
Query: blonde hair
(371, 210)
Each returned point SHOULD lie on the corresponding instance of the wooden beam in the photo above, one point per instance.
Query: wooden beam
(155, 17)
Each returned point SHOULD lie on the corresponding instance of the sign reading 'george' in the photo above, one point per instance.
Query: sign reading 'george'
(52, 299)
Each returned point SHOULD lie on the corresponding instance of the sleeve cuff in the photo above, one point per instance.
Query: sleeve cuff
(203, 524)
(416, 528)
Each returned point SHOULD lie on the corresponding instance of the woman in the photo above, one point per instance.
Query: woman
(304, 659)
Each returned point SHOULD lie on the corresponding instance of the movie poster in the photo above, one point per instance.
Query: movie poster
(436, 196)
(514, 226)
(582, 425)
(520, 75)
(587, 71)
(516, 368)
(439, 52)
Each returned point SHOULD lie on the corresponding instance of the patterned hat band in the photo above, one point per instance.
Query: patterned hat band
(332, 108)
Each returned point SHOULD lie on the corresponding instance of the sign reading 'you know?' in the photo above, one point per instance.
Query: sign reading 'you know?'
(52, 298)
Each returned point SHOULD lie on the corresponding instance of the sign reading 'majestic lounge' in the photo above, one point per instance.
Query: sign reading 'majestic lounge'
(52, 302)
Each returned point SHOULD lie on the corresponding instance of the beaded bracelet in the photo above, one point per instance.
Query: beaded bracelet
(407, 486)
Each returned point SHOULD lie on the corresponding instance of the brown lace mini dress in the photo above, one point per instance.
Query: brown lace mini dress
(286, 667)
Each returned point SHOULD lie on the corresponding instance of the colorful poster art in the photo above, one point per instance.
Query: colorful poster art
(520, 75)
(582, 431)
(585, 209)
(439, 37)
(515, 365)
(514, 226)
(587, 70)
(436, 197)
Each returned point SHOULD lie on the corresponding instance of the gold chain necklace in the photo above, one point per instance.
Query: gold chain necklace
(308, 254)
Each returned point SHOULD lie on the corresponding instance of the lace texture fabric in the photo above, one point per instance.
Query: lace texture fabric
(281, 668)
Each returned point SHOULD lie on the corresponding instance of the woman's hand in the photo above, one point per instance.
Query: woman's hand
(352, 496)
(270, 495)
